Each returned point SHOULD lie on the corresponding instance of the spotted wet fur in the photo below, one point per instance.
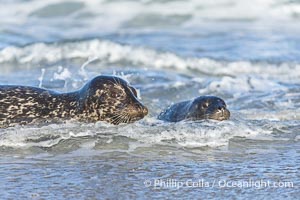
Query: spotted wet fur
(104, 98)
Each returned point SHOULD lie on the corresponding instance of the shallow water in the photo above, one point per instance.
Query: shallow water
(246, 53)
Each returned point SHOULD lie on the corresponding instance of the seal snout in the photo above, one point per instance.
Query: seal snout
(223, 113)
(144, 111)
(221, 108)
(141, 111)
(136, 111)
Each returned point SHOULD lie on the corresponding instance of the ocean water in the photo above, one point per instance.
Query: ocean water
(246, 52)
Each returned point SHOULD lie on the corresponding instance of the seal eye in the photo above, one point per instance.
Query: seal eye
(115, 94)
(205, 105)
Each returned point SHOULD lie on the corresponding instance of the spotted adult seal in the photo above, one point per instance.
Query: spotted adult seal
(104, 98)
(203, 107)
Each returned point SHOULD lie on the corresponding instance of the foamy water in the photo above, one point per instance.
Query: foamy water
(244, 52)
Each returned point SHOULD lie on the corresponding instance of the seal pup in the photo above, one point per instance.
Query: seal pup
(203, 107)
(104, 98)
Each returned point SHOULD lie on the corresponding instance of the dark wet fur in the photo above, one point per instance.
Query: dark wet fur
(104, 98)
(204, 107)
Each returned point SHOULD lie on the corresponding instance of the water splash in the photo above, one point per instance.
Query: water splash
(43, 70)
(83, 71)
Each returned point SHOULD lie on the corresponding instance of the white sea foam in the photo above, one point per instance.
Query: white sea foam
(110, 52)
(211, 134)
(112, 15)
(242, 85)
(278, 115)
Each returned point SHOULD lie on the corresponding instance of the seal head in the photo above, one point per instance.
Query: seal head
(111, 99)
(204, 107)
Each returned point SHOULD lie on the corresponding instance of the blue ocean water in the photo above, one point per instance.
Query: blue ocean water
(246, 52)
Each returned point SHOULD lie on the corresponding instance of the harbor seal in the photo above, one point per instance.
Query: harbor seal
(203, 107)
(104, 98)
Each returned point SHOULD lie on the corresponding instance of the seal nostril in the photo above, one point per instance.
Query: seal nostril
(221, 108)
